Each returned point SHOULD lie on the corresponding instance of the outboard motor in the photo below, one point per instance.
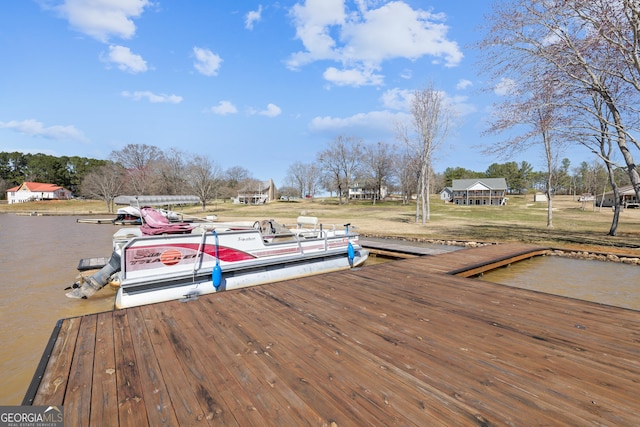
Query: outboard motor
(96, 281)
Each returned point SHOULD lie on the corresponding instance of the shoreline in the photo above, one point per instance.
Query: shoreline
(607, 256)
(577, 233)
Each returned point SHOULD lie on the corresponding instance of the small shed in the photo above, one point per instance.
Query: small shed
(446, 194)
(540, 197)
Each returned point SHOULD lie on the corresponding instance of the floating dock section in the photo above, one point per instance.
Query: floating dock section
(399, 343)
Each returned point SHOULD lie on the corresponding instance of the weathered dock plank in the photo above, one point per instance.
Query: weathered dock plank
(401, 343)
(131, 399)
(78, 394)
(399, 249)
(183, 397)
(104, 409)
(158, 405)
(54, 382)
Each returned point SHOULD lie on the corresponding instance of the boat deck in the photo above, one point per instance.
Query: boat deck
(399, 343)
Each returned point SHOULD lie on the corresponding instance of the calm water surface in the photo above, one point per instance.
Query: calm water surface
(39, 256)
(38, 259)
(598, 281)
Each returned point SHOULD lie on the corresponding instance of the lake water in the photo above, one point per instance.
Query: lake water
(39, 256)
(598, 281)
(38, 259)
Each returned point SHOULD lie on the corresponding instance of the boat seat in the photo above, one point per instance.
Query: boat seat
(307, 221)
(155, 223)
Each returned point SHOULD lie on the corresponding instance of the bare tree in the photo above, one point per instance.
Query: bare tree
(104, 183)
(430, 119)
(235, 175)
(314, 176)
(586, 47)
(288, 193)
(408, 174)
(604, 60)
(531, 105)
(304, 177)
(605, 147)
(341, 162)
(379, 160)
(140, 161)
(231, 179)
(297, 177)
(204, 178)
(171, 170)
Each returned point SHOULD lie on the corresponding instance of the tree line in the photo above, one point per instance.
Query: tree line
(346, 162)
(136, 169)
(586, 178)
(142, 169)
(68, 172)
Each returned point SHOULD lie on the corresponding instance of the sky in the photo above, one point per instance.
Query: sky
(260, 85)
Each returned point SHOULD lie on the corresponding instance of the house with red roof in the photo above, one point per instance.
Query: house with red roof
(30, 191)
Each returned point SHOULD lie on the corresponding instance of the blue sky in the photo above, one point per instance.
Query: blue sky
(251, 84)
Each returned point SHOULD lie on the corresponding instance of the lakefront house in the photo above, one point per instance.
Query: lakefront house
(256, 193)
(627, 196)
(478, 192)
(30, 191)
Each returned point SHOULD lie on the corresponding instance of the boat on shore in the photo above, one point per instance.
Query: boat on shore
(162, 260)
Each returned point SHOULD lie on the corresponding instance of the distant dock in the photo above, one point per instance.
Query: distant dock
(400, 343)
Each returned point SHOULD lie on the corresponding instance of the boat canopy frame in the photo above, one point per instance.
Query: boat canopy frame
(138, 201)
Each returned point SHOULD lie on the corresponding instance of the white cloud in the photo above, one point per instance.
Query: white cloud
(406, 74)
(223, 108)
(505, 87)
(103, 19)
(152, 97)
(395, 30)
(400, 99)
(313, 23)
(361, 123)
(363, 39)
(35, 128)
(397, 99)
(253, 17)
(207, 62)
(459, 105)
(271, 111)
(352, 77)
(125, 60)
(381, 124)
(463, 84)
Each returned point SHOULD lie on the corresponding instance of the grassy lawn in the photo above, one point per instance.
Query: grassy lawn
(520, 220)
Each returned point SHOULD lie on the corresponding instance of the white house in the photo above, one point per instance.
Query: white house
(30, 191)
(357, 192)
(256, 193)
(483, 191)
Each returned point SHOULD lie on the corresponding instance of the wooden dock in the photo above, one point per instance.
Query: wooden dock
(398, 249)
(400, 343)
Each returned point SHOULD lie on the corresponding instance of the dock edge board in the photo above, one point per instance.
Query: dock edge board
(32, 390)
